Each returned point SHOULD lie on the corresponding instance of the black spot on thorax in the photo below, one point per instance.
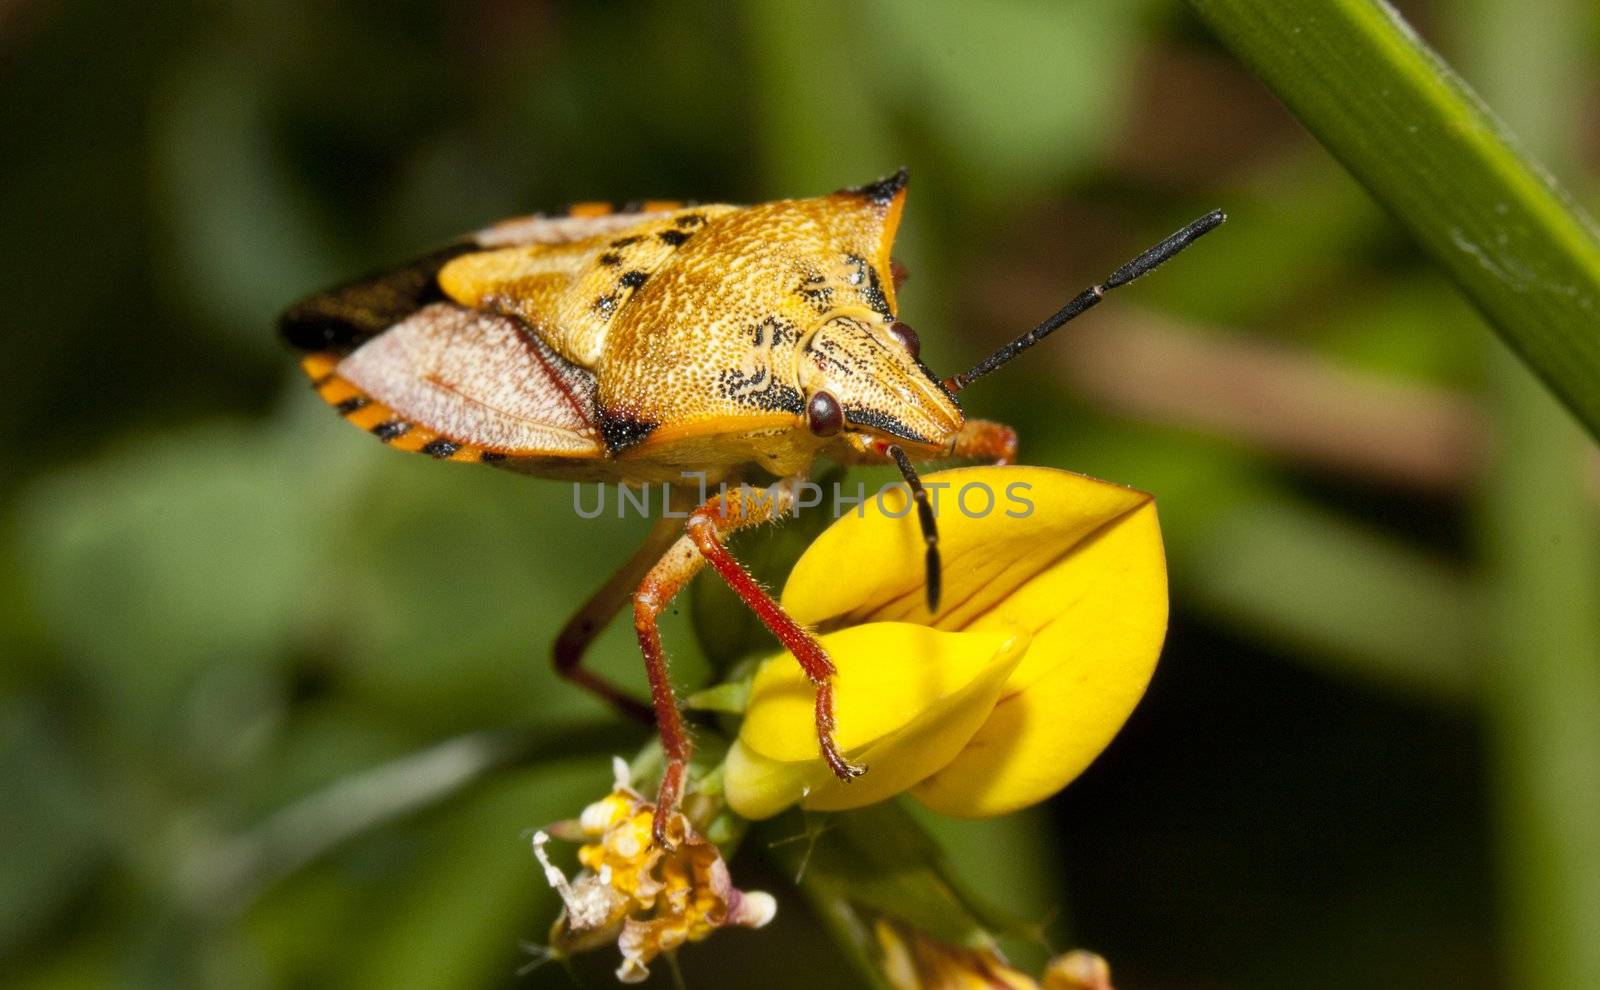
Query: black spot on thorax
(621, 430)
(865, 277)
(760, 387)
(816, 291)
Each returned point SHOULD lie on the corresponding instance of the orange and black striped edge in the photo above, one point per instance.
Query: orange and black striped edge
(378, 419)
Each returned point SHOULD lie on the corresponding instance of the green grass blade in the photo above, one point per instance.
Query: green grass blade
(1537, 530)
(1427, 149)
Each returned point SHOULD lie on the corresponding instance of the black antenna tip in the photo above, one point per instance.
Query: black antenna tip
(1145, 263)
(1206, 224)
(1153, 258)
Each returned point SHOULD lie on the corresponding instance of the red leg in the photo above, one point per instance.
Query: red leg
(706, 531)
(664, 581)
(707, 527)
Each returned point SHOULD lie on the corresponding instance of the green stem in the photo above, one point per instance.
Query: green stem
(1543, 546)
(1412, 132)
(1542, 686)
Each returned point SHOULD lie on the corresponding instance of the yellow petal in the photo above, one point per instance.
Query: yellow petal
(758, 788)
(868, 567)
(1089, 665)
(888, 674)
(907, 699)
(1080, 565)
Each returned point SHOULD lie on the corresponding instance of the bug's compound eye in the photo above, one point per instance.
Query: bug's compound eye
(906, 336)
(823, 414)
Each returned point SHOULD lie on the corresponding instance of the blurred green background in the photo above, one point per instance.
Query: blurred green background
(1368, 756)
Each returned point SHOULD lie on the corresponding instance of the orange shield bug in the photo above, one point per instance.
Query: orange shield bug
(634, 345)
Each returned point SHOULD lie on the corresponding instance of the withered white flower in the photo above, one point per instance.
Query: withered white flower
(632, 891)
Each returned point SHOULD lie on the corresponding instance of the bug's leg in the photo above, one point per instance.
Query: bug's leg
(985, 440)
(708, 525)
(669, 575)
(702, 544)
(587, 623)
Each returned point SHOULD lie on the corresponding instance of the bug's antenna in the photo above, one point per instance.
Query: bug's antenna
(930, 527)
(1142, 265)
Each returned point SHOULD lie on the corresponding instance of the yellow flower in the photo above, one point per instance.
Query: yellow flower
(912, 960)
(1052, 617)
(646, 899)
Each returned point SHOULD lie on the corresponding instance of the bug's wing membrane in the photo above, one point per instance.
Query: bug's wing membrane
(342, 318)
(464, 384)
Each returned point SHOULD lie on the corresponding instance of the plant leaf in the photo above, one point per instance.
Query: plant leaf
(1404, 124)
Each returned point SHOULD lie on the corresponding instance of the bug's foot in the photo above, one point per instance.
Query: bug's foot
(659, 827)
(841, 767)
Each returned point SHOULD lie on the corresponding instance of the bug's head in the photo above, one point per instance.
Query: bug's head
(859, 370)
(862, 378)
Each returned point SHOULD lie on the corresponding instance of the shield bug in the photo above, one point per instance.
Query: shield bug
(636, 344)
